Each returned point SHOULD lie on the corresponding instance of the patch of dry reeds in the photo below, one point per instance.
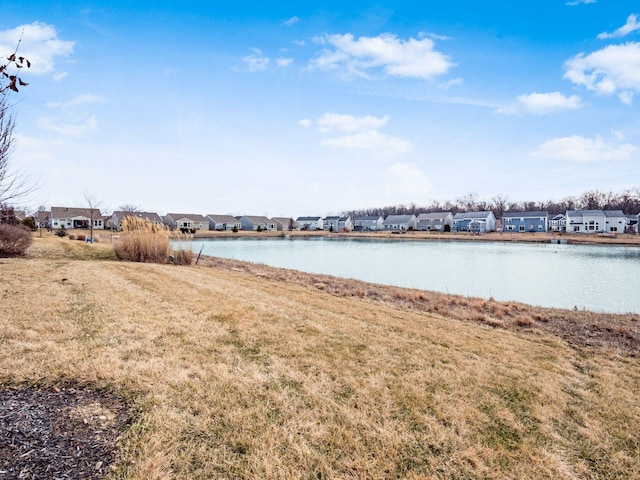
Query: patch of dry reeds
(143, 241)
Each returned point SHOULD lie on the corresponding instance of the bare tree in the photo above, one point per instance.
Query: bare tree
(91, 211)
(130, 208)
(12, 184)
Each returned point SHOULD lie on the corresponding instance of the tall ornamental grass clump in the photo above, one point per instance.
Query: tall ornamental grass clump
(14, 240)
(143, 241)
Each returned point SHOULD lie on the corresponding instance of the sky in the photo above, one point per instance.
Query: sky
(315, 108)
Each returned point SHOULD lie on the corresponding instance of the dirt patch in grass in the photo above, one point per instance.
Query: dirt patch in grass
(58, 433)
(615, 332)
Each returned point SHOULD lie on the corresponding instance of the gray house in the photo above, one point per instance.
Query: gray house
(399, 222)
(285, 223)
(525, 222)
(186, 221)
(256, 222)
(115, 221)
(223, 222)
(462, 220)
(364, 223)
(345, 224)
(437, 221)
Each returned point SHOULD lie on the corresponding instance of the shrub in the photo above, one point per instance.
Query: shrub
(62, 232)
(30, 223)
(14, 240)
(182, 257)
(143, 241)
(71, 237)
(82, 237)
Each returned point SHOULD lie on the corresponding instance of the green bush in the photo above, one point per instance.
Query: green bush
(14, 240)
(62, 232)
(30, 223)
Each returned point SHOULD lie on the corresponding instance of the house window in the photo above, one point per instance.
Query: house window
(522, 228)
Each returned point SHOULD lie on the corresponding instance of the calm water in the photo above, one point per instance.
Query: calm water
(604, 279)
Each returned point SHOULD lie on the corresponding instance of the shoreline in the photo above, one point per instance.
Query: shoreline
(625, 239)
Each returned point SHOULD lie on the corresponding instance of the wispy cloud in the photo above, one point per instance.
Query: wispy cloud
(631, 26)
(76, 130)
(579, 149)
(573, 3)
(385, 53)
(40, 44)
(349, 123)
(83, 99)
(613, 69)
(291, 21)
(363, 134)
(283, 62)
(542, 104)
(257, 61)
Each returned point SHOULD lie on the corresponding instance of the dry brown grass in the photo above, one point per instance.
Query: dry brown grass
(235, 375)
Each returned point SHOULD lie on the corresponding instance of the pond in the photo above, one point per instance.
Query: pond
(596, 278)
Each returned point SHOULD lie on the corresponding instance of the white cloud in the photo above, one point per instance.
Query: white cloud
(283, 62)
(542, 103)
(372, 140)
(291, 21)
(573, 3)
(613, 69)
(350, 123)
(578, 149)
(364, 134)
(305, 122)
(631, 26)
(83, 99)
(256, 62)
(40, 44)
(406, 182)
(395, 57)
(69, 129)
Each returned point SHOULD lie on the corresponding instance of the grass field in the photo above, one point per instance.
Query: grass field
(230, 374)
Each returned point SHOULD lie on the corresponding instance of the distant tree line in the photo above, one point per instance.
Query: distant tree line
(628, 201)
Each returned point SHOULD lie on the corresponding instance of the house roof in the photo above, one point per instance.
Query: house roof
(308, 219)
(285, 221)
(331, 219)
(613, 213)
(344, 219)
(223, 218)
(257, 219)
(72, 212)
(434, 216)
(150, 216)
(525, 214)
(559, 216)
(471, 215)
(397, 219)
(189, 216)
(367, 218)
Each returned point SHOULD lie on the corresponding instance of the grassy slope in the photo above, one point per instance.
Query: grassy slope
(235, 376)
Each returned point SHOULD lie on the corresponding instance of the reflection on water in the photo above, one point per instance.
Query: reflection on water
(599, 278)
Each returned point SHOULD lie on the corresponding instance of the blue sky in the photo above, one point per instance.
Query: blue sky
(311, 108)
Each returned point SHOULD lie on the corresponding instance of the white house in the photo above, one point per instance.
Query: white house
(69, 217)
(558, 223)
(186, 221)
(345, 224)
(223, 222)
(367, 223)
(330, 223)
(437, 221)
(399, 222)
(256, 222)
(595, 221)
(310, 223)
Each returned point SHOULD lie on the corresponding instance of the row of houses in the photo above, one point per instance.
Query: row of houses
(574, 221)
